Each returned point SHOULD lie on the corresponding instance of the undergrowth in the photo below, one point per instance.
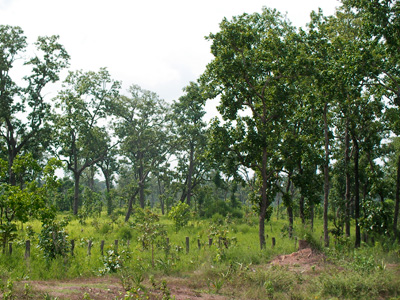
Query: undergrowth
(233, 265)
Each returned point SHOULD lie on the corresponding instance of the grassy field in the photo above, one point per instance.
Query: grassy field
(145, 266)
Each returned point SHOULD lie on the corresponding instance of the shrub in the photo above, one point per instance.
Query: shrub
(180, 214)
(125, 233)
(53, 239)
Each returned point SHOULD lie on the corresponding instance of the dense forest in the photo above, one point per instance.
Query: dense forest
(308, 128)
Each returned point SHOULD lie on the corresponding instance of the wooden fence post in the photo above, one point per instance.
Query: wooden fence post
(89, 249)
(27, 249)
(273, 242)
(72, 247)
(102, 247)
(187, 244)
(10, 248)
(210, 240)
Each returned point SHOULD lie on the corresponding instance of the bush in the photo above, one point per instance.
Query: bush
(125, 233)
(180, 214)
(105, 228)
(53, 239)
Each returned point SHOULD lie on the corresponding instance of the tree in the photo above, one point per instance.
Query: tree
(255, 58)
(24, 113)
(190, 129)
(19, 203)
(380, 21)
(142, 127)
(82, 139)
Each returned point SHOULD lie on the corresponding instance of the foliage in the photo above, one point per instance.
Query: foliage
(113, 261)
(180, 214)
(53, 239)
(81, 138)
(377, 218)
(18, 203)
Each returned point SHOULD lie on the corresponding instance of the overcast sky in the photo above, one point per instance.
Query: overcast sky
(157, 44)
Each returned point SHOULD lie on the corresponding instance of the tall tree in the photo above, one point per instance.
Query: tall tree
(253, 69)
(82, 139)
(380, 21)
(141, 124)
(24, 112)
(188, 113)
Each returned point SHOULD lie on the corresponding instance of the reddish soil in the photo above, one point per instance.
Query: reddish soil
(303, 260)
(105, 288)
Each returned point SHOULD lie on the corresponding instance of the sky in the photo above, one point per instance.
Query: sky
(156, 44)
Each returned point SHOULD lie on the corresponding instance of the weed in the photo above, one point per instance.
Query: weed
(215, 284)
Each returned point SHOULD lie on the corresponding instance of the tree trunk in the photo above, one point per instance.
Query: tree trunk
(289, 208)
(301, 201)
(190, 174)
(77, 177)
(141, 181)
(326, 175)
(264, 200)
(347, 171)
(92, 171)
(130, 205)
(312, 216)
(161, 198)
(108, 188)
(11, 156)
(356, 193)
(397, 203)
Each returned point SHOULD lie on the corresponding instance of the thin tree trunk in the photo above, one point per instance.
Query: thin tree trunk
(326, 175)
(397, 203)
(161, 198)
(264, 200)
(77, 177)
(130, 205)
(289, 208)
(301, 201)
(141, 181)
(108, 189)
(190, 174)
(347, 171)
(312, 216)
(356, 193)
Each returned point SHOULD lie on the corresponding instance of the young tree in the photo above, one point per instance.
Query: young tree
(19, 203)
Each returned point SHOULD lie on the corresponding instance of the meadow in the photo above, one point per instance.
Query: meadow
(152, 260)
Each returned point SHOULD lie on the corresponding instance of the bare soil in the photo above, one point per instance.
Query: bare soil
(304, 260)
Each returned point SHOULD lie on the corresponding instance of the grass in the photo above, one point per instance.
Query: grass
(240, 270)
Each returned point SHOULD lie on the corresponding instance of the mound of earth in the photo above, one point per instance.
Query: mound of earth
(303, 260)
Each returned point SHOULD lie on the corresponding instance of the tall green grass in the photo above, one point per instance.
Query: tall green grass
(361, 273)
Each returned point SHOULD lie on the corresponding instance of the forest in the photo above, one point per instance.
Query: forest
(306, 146)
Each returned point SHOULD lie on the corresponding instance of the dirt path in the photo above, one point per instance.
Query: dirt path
(104, 288)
